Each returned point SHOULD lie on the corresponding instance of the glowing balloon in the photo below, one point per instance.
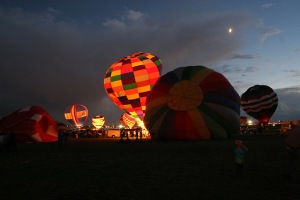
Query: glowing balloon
(127, 120)
(98, 121)
(128, 82)
(30, 124)
(260, 102)
(76, 115)
(192, 103)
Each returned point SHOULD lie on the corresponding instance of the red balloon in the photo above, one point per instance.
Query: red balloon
(30, 124)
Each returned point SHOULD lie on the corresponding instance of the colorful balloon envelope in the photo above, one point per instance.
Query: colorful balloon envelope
(76, 115)
(30, 124)
(98, 121)
(192, 103)
(128, 82)
(127, 120)
(260, 102)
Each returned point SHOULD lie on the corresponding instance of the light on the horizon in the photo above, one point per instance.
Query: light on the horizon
(250, 122)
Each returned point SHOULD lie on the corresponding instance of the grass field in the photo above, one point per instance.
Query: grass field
(107, 169)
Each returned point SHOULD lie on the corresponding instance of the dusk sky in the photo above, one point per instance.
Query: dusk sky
(55, 53)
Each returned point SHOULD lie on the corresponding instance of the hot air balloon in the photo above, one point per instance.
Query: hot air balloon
(98, 121)
(127, 120)
(76, 115)
(260, 102)
(128, 82)
(192, 103)
(30, 124)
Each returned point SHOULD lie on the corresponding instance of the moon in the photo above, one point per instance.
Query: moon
(230, 30)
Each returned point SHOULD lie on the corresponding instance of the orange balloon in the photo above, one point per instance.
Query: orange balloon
(76, 114)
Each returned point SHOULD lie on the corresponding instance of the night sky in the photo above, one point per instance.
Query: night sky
(55, 53)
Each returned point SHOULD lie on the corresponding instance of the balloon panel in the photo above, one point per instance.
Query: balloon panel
(76, 114)
(30, 124)
(128, 82)
(192, 103)
(260, 102)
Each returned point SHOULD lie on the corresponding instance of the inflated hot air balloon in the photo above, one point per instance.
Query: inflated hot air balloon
(192, 103)
(76, 115)
(30, 124)
(98, 121)
(127, 120)
(128, 82)
(260, 102)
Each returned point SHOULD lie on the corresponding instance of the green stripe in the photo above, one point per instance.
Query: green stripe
(115, 78)
(129, 86)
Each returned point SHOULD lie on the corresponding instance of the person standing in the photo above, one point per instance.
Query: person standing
(240, 152)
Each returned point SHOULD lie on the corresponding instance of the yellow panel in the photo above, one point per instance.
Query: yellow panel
(133, 96)
(144, 89)
(141, 78)
(115, 72)
(68, 115)
(116, 84)
(201, 75)
(137, 63)
(199, 123)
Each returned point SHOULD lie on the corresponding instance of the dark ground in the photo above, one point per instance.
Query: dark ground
(105, 169)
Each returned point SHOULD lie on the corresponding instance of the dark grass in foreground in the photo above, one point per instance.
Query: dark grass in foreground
(106, 169)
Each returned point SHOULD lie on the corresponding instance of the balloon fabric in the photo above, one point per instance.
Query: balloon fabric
(128, 82)
(260, 102)
(192, 103)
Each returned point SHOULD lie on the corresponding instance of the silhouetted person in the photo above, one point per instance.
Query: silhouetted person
(122, 132)
(240, 151)
(127, 138)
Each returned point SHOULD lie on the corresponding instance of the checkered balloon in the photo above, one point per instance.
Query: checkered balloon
(129, 80)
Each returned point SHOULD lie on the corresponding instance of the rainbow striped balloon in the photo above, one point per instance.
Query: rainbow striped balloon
(128, 82)
(192, 103)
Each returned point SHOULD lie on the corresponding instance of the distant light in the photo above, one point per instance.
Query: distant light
(230, 30)
(250, 122)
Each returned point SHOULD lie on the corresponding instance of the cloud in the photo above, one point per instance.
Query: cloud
(243, 56)
(288, 108)
(134, 15)
(53, 62)
(267, 5)
(294, 73)
(266, 33)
